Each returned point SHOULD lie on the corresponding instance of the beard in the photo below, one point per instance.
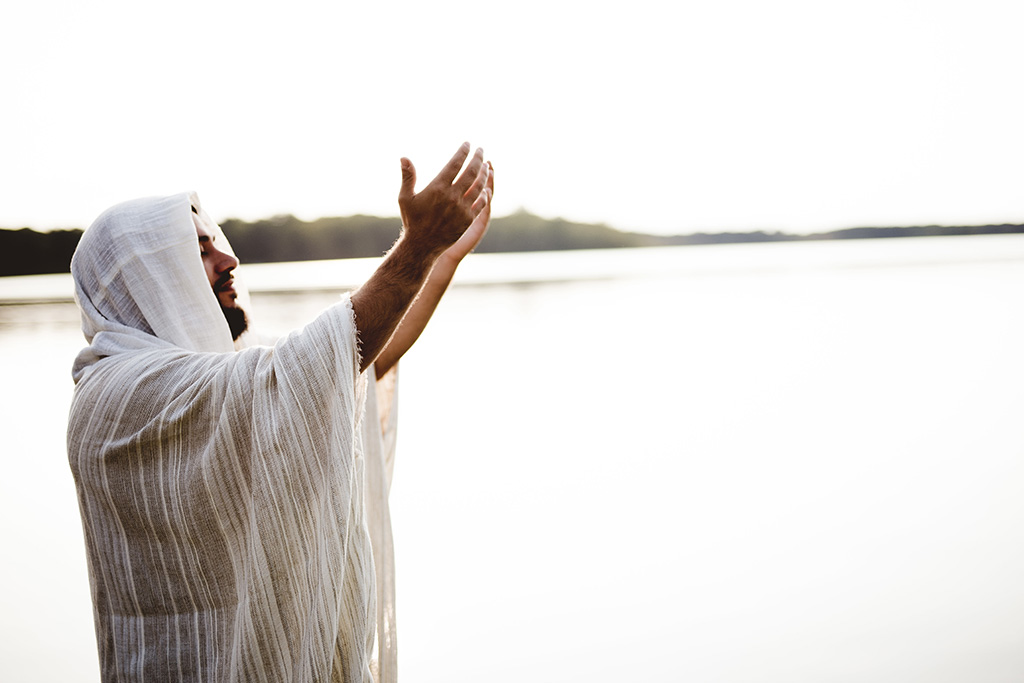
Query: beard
(238, 322)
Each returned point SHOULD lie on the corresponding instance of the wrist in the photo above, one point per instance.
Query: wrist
(410, 259)
(415, 246)
(448, 259)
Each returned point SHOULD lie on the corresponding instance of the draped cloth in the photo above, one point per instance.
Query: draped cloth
(233, 496)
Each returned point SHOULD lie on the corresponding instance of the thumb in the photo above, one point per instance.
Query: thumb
(408, 181)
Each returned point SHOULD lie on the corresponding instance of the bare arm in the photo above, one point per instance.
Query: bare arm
(433, 220)
(440, 277)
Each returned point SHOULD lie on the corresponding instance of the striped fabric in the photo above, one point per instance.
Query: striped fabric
(234, 502)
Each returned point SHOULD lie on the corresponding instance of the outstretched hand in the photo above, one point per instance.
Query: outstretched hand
(453, 209)
(454, 213)
(435, 219)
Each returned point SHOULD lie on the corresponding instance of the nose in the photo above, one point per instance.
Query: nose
(226, 262)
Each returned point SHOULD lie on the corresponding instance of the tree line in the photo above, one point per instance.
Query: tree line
(287, 238)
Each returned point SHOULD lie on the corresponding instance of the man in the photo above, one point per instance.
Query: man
(234, 497)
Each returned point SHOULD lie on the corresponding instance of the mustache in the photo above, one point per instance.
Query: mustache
(223, 280)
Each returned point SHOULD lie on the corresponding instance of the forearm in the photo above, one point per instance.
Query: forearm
(418, 314)
(380, 304)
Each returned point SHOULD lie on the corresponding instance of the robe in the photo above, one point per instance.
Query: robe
(233, 497)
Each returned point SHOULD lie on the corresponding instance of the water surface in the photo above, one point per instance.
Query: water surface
(776, 462)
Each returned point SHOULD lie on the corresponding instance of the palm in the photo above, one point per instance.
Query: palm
(472, 236)
(477, 229)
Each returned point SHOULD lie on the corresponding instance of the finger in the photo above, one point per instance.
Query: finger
(474, 233)
(408, 188)
(483, 219)
(472, 172)
(482, 202)
(479, 183)
(490, 177)
(451, 169)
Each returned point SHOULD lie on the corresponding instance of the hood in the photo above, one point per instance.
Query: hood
(140, 282)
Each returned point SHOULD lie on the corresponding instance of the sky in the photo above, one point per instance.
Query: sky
(794, 115)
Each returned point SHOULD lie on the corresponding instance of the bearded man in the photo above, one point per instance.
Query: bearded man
(234, 496)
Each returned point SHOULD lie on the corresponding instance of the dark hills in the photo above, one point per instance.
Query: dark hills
(287, 238)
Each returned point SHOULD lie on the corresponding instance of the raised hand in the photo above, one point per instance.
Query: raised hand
(449, 216)
(437, 217)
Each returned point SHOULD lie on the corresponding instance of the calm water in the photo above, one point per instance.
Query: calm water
(781, 462)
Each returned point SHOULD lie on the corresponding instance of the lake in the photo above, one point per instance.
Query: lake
(768, 462)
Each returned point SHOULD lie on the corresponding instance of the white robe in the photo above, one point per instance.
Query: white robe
(234, 502)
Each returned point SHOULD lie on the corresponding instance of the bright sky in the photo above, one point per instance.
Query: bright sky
(799, 115)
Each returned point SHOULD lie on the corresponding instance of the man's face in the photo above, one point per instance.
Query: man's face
(218, 265)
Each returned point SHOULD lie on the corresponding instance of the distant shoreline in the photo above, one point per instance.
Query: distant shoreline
(286, 238)
(527, 269)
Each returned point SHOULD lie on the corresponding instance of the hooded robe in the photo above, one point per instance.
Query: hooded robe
(233, 500)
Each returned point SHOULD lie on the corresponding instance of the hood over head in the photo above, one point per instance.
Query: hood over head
(140, 282)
